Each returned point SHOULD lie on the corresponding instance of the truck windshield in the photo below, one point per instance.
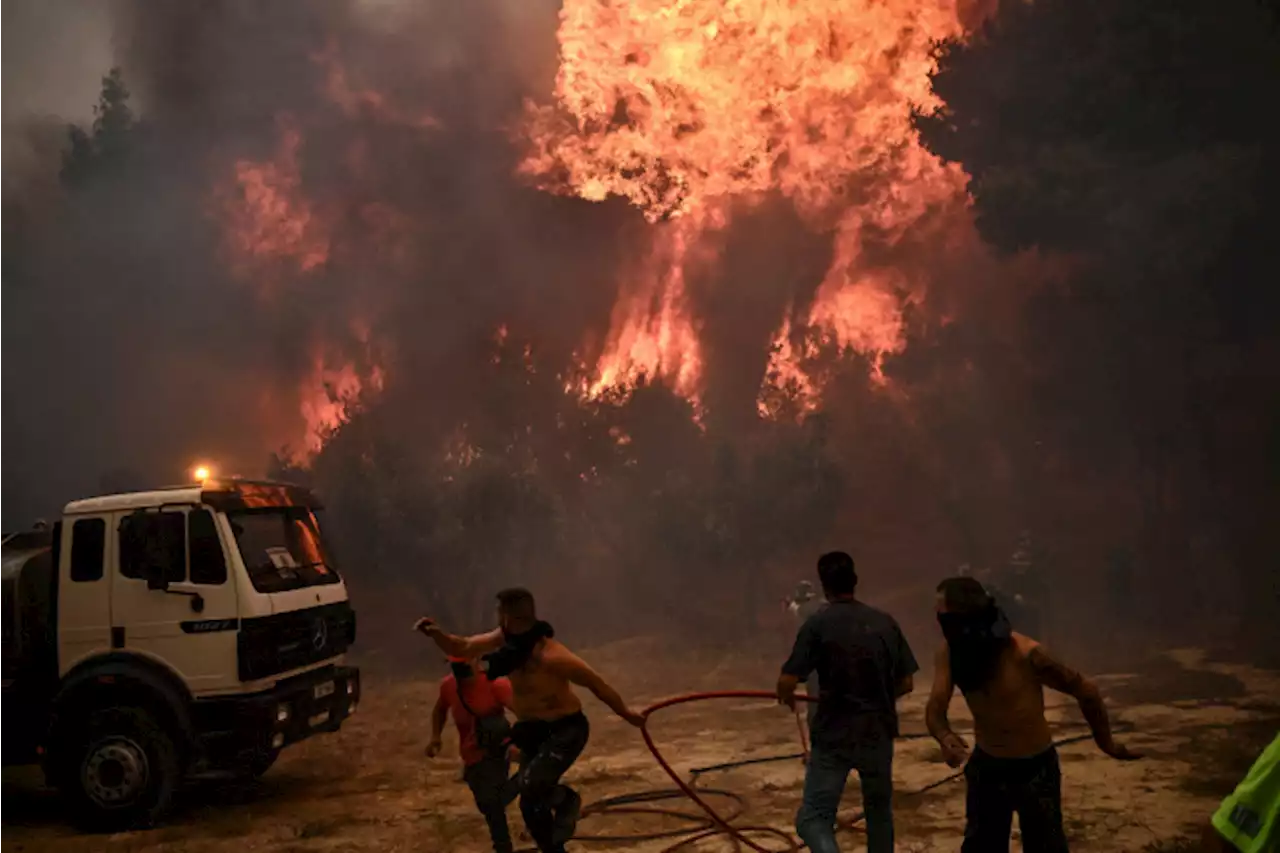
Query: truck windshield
(282, 548)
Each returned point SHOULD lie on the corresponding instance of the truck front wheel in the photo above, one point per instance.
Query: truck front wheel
(125, 772)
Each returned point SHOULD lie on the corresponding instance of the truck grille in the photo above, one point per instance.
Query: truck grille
(283, 641)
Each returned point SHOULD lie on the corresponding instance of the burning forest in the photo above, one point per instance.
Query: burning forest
(644, 303)
(632, 309)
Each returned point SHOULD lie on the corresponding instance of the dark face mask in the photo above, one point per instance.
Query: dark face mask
(988, 624)
(975, 642)
(516, 649)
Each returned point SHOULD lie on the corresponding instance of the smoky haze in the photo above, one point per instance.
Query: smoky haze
(316, 210)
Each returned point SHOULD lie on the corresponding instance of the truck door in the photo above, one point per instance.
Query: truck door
(172, 597)
(84, 589)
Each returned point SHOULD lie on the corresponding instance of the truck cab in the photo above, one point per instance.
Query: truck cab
(152, 635)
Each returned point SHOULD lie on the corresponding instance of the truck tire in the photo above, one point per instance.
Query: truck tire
(123, 773)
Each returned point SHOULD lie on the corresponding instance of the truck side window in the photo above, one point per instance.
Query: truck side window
(208, 566)
(88, 544)
(154, 539)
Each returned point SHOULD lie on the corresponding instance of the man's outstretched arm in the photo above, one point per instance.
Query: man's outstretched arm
(460, 647)
(1056, 675)
(577, 670)
(954, 750)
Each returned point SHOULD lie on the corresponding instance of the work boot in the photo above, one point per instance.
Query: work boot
(567, 813)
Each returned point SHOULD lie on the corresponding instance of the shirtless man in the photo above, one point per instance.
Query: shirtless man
(551, 730)
(1014, 767)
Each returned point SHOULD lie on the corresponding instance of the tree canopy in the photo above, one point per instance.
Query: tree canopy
(1135, 142)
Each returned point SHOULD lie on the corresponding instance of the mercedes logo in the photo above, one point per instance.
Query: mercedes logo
(319, 635)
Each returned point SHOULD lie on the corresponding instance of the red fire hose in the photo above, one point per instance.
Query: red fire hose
(715, 823)
(720, 824)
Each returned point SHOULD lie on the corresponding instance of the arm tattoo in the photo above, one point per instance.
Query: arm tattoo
(1054, 674)
(1060, 677)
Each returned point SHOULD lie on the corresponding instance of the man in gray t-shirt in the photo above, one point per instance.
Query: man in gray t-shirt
(865, 665)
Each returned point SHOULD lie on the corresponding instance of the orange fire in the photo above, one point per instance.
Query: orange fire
(268, 219)
(651, 334)
(272, 228)
(690, 108)
(327, 395)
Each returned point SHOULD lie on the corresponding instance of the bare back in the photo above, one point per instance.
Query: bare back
(540, 688)
(1008, 712)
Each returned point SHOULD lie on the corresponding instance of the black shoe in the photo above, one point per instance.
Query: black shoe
(566, 816)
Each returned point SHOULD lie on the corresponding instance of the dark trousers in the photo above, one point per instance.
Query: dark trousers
(998, 787)
(547, 750)
(824, 781)
(490, 785)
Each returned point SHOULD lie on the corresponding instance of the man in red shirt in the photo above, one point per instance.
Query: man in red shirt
(468, 694)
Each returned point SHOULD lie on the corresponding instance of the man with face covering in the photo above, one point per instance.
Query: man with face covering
(551, 730)
(1014, 766)
(477, 706)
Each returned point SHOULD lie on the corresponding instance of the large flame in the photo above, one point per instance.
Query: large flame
(685, 107)
(652, 335)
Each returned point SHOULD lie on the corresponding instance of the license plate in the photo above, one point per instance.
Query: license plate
(322, 717)
(323, 690)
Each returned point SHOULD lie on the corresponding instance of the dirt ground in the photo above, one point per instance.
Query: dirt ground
(1200, 721)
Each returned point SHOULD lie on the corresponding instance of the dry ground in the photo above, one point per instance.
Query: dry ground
(369, 788)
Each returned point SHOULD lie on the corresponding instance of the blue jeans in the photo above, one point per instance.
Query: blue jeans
(824, 781)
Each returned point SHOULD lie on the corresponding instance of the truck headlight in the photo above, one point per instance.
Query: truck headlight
(282, 712)
(351, 688)
(277, 740)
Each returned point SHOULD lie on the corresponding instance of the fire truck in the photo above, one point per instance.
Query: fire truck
(155, 635)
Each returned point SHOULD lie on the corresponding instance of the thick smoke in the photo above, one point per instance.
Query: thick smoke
(142, 341)
(324, 199)
(135, 344)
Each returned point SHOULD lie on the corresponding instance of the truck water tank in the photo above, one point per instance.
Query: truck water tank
(26, 597)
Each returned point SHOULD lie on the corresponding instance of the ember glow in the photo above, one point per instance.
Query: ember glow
(327, 395)
(267, 217)
(689, 109)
